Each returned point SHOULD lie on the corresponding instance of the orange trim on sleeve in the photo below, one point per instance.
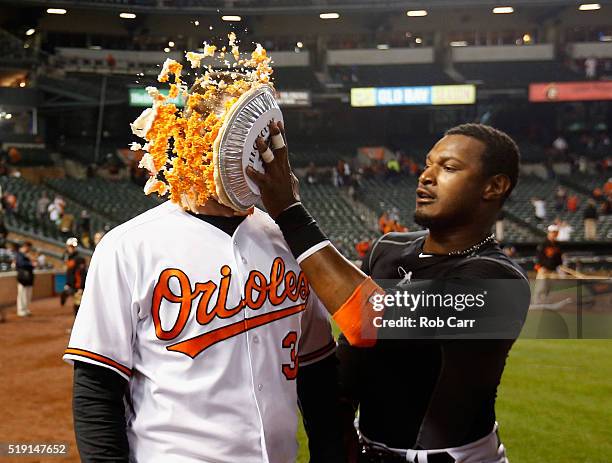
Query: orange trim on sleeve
(317, 353)
(355, 317)
(99, 358)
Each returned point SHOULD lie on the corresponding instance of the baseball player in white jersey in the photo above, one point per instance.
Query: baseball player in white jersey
(207, 319)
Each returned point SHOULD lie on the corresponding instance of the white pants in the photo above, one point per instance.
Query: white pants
(485, 450)
(24, 297)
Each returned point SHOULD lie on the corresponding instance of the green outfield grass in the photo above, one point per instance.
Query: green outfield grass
(554, 404)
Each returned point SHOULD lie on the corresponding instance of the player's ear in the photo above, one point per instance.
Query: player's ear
(496, 187)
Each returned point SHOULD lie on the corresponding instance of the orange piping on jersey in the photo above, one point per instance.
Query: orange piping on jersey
(194, 346)
(318, 353)
(99, 358)
(356, 316)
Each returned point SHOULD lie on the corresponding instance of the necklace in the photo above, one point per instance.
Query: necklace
(473, 248)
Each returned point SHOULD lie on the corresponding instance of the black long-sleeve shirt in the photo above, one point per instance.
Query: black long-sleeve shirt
(430, 393)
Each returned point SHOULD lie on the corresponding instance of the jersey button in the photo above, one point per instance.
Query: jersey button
(256, 339)
(259, 387)
(235, 243)
(244, 261)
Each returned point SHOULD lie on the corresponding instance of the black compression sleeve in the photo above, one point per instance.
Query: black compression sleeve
(318, 398)
(299, 229)
(99, 414)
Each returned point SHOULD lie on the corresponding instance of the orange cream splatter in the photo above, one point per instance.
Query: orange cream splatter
(180, 143)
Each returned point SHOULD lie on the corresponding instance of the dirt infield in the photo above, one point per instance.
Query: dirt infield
(35, 384)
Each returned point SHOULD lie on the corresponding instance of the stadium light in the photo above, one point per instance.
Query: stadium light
(127, 15)
(459, 43)
(503, 10)
(605, 38)
(589, 7)
(383, 46)
(329, 16)
(8, 116)
(167, 50)
(30, 31)
(196, 23)
(418, 40)
(416, 13)
(56, 11)
(22, 84)
(526, 38)
(95, 47)
(300, 45)
(171, 43)
(231, 18)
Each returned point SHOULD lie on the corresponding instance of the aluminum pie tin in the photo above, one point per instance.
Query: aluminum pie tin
(248, 119)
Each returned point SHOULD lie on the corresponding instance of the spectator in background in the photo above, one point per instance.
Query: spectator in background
(97, 237)
(499, 226)
(346, 174)
(336, 178)
(41, 261)
(607, 188)
(311, 174)
(572, 203)
(54, 213)
(565, 230)
(382, 222)
(25, 279)
(560, 145)
(539, 209)
(14, 156)
(583, 165)
(66, 226)
(56, 210)
(597, 194)
(85, 229)
(42, 205)
(362, 248)
(590, 221)
(340, 172)
(9, 203)
(548, 260)
(590, 68)
(111, 61)
(76, 271)
(560, 198)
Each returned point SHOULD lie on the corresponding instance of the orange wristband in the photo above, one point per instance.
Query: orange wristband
(355, 317)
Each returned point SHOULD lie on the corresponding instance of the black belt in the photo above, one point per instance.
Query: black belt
(372, 453)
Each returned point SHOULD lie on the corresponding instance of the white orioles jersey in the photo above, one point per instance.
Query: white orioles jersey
(208, 329)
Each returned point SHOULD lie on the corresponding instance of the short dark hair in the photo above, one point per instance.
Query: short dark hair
(501, 155)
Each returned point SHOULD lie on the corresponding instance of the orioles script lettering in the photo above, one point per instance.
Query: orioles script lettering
(281, 285)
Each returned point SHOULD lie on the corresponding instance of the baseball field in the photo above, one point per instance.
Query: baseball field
(555, 402)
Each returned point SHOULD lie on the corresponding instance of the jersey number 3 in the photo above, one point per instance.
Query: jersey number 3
(290, 369)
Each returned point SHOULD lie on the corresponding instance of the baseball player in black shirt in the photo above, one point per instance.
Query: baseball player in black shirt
(420, 400)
